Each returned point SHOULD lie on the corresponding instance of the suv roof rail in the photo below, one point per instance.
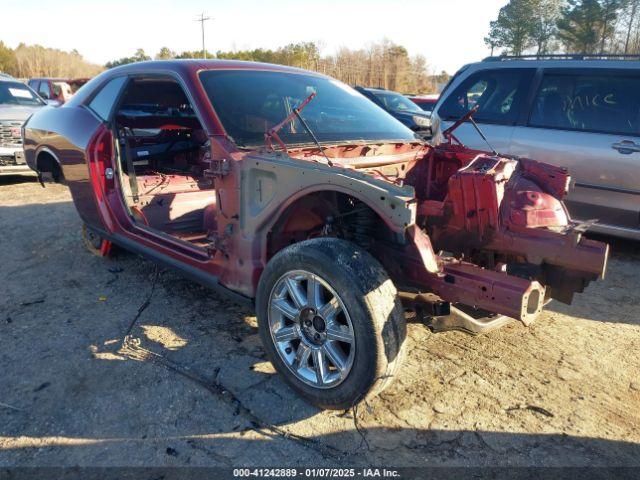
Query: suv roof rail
(564, 56)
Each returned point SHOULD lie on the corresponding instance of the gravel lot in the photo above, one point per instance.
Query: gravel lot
(192, 387)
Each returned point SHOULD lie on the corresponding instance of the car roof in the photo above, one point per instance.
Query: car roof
(12, 80)
(182, 67)
(425, 98)
(194, 65)
(559, 63)
(60, 79)
(382, 90)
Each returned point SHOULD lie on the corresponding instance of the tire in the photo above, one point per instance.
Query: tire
(360, 333)
(94, 242)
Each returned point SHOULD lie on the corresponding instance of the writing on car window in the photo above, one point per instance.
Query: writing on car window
(593, 103)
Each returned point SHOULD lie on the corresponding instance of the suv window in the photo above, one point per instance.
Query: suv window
(499, 93)
(103, 102)
(43, 90)
(588, 102)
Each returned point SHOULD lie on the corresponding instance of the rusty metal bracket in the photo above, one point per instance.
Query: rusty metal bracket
(428, 304)
(467, 320)
(218, 168)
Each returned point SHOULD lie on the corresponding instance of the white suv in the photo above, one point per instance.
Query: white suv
(578, 112)
(17, 103)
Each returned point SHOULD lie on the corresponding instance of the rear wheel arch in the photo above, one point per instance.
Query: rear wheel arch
(47, 162)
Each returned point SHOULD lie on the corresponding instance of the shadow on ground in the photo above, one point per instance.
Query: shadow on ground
(17, 179)
(191, 384)
(444, 448)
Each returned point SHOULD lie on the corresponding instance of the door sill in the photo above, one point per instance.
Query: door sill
(184, 246)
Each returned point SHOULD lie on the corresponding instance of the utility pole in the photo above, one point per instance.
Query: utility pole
(203, 19)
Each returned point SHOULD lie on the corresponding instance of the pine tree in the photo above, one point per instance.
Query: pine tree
(513, 28)
(610, 11)
(544, 27)
(630, 19)
(586, 25)
(165, 54)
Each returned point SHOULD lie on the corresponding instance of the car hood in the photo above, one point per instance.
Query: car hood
(17, 112)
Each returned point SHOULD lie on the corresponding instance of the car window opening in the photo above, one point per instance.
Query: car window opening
(164, 152)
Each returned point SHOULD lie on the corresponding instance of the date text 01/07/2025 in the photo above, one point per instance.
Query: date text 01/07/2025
(315, 472)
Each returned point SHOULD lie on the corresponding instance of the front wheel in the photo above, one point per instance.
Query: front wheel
(330, 321)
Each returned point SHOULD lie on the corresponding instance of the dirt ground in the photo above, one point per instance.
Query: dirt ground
(192, 386)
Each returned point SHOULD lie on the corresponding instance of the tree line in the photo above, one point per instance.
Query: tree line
(28, 61)
(566, 26)
(381, 64)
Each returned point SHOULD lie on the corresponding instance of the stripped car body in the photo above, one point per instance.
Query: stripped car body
(506, 243)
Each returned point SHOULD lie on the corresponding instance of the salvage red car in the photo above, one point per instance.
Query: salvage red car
(425, 102)
(289, 190)
(56, 91)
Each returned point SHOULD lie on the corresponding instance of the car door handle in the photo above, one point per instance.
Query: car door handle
(626, 147)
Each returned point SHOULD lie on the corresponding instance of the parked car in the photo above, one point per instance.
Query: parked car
(56, 91)
(288, 190)
(578, 112)
(17, 103)
(425, 102)
(401, 108)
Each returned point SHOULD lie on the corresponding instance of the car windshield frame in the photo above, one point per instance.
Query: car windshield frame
(380, 95)
(249, 102)
(34, 101)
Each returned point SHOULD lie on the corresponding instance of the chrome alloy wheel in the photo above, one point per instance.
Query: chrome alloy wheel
(311, 329)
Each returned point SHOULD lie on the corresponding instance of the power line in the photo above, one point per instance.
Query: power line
(203, 19)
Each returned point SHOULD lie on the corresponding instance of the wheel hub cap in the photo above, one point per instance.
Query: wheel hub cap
(311, 329)
(319, 324)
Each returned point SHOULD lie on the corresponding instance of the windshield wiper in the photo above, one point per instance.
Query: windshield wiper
(467, 117)
(308, 129)
(273, 132)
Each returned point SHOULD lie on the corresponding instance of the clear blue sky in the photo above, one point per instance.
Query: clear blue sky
(448, 33)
